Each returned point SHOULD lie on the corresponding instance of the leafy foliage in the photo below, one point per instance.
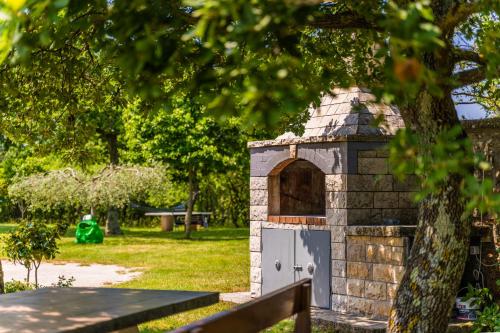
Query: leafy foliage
(488, 319)
(31, 243)
(450, 154)
(113, 186)
(14, 286)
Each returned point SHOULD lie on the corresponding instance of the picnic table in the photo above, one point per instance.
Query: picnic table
(85, 310)
(167, 219)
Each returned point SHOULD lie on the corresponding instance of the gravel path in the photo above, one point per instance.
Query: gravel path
(93, 275)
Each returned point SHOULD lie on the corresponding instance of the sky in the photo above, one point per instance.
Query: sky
(470, 111)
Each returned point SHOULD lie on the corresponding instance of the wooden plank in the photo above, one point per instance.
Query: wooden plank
(92, 309)
(261, 313)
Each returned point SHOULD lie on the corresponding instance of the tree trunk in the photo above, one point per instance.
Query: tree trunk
(437, 259)
(2, 286)
(112, 221)
(190, 203)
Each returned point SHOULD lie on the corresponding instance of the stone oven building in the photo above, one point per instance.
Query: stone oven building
(325, 205)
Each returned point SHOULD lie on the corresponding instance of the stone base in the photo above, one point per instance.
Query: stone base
(331, 321)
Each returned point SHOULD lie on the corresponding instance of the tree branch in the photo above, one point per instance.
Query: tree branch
(467, 55)
(470, 76)
(457, 15)
(343, 20)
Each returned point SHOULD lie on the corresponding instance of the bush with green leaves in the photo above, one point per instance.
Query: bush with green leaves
(488, 315)
(64, 282)
(14, 286)
(31, 243)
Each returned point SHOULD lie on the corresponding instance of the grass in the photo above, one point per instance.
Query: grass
(216, 259)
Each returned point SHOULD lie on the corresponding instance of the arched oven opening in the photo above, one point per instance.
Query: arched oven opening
(297, 193)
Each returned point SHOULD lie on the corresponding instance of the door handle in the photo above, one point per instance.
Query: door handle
(297, 267)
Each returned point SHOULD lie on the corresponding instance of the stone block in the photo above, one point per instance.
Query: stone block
(255, 228)
(406, 200)
(356, 287)
(386, 273)
(255, 244)
(364, 216)
(337, 234)
(339, 285)
(398, 256)
(386, 200)
(384, 254)
(356, 252)
(409, 184)
(392, 241)
(383, 153)
(255, 259)
(381, 308)
(258, 213)
(376, 290)
(258, 197)
(391, 290)
(336, 200)
(255, 289)
(339, 268)
(358, 270)
(359, 199)
(367, 153)
(372, 166)
(336, 183)
(405, 216)
(338, 251)
(258, 183)
(336, 216)
(339, 303)
(256, 274)
(369, 182)
(360, 305)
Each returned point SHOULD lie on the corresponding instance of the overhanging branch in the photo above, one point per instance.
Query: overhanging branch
(457, 15)
(470, 76)
(467, 55)
(344, 20)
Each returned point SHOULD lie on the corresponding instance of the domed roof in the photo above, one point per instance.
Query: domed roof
(352, 111)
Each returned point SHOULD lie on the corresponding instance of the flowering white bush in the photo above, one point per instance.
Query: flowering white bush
(114, 186)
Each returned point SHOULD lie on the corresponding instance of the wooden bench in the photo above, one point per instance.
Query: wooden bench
(261, 313)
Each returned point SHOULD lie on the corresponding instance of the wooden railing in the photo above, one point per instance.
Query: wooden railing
(261, 313)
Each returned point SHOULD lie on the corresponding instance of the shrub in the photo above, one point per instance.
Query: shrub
(64, 282)
(15, 286)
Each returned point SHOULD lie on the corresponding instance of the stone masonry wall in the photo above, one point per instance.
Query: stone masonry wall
(258, 216)
(365, 270)
(375, 266)
(373, 196)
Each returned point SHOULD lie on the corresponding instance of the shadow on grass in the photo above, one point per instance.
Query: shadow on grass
(211, 234)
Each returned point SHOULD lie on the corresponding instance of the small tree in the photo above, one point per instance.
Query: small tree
(30, 243)
(190, 142)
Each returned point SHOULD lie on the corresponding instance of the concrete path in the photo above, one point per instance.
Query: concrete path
(237, 298)
(93, 275)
